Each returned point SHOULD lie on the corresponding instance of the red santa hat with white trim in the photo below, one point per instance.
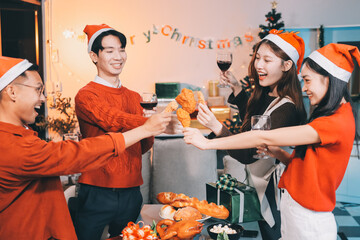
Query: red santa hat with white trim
(336, 59)
(290, 43)
(11, 68)
(93, 31)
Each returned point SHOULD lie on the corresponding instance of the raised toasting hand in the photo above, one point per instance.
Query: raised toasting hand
(195, 137)
(207, 118)
(157, 123)
(229, 79)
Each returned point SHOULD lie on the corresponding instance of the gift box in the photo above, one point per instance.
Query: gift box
(221, 112)
(242, 203)
(172, 89)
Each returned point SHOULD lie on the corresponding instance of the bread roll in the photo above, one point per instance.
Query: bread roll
(167, 212)
(187, 213)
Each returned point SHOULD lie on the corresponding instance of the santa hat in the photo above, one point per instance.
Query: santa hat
(290, 43)
(11, 68)
(336, 59)
(93, 31)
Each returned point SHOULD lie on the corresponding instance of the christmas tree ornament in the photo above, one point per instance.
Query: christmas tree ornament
(274, 4)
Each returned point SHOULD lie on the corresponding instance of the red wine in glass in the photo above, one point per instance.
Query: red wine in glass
(224, 65)
(148, 102)
(223, 60)
(148, 105)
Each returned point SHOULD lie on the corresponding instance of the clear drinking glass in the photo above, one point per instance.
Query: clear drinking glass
(224, 61)
(260, 122)
(148, 102)
(72, 178)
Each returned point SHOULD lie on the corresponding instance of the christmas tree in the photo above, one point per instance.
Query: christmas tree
(273, 21)
(234, 124)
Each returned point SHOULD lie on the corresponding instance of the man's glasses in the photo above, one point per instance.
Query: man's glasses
(38, 89)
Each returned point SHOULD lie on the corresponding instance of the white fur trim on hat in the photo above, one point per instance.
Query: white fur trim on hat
(13, 73)
(329, 66)
(285, 46)
(95, 35)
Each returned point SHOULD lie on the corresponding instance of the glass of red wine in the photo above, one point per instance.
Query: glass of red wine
(224, 61)
(148, 102)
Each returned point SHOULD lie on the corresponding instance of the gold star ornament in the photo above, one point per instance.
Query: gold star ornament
(274, 4)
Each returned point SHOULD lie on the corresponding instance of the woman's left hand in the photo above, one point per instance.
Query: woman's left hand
(275, 152)
(195, 137)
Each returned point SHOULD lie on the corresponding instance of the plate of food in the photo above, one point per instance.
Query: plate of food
(185, 213)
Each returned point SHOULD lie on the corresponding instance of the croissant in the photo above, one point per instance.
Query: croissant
(211, 209)
(181, 200)
(184, 117)
(187, 100)
(175, 200)
(172, 106)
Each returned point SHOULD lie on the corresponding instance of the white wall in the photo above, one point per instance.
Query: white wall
(164, 59)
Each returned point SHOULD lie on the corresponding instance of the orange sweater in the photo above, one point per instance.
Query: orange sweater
(312, 181)
(32, 202)
(102, 109)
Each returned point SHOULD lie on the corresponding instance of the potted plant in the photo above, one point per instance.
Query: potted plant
(65, 121)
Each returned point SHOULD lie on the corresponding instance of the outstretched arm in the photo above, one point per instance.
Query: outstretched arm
(155, 125)
(289, 136)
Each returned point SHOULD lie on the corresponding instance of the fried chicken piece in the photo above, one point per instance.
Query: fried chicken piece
(201, 98)
(187, 100)
(184, 117)
(172, 106)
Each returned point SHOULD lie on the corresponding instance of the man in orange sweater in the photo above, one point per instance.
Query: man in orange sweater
(32, 202)
(109, 195)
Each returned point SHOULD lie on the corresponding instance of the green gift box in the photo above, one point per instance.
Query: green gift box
(245, 196)
(170, 90)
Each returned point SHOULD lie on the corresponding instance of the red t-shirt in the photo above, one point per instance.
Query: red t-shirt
(312, 181)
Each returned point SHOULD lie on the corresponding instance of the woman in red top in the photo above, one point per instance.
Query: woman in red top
(316, 167)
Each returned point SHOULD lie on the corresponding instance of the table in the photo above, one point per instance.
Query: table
(150, 212)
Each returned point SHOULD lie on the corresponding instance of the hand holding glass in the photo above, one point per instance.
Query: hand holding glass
(148, 102)
(224, 61)
(260, 122)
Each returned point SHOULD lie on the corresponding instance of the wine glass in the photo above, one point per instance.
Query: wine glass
(224, 61)
(148, 102)
(73, 137)
(260, 122)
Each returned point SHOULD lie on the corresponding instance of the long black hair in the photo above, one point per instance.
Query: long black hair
(337, 90)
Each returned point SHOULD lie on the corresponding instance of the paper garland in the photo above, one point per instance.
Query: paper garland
(176, 35)
(201, 43)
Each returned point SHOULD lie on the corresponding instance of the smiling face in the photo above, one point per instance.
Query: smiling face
(269, 67)
(315, 85)
(111, 60)
(28, 97)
